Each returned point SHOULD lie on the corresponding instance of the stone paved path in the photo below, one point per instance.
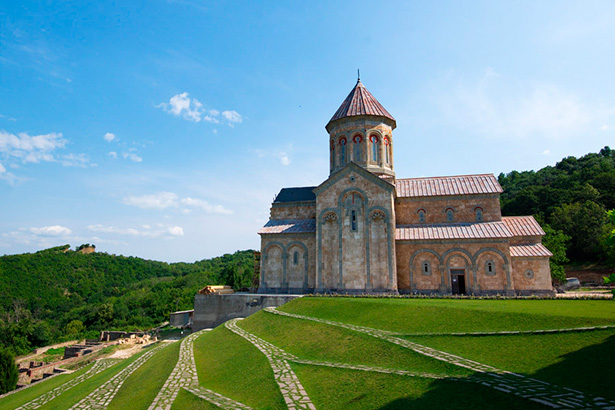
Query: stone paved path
(292, 391)
(102, 396)
(536, 390)
(98, 367)
(185, 376)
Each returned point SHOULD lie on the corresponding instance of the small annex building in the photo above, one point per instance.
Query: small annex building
(365, 231)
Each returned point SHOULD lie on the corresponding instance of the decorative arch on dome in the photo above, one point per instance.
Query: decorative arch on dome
(374, 142)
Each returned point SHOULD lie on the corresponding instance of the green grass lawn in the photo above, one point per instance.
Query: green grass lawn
(350, 389)
(141, 387)
(230, 365)
(582, 361)
(186, 400)
(456, 315)
(315, 341)
(21, 397)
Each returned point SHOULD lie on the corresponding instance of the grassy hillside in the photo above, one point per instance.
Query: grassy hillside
(400, 363)
(60, 294)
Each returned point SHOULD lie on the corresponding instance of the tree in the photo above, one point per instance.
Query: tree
(8, 372)
(75, 328)
(585, 224)
(557, 242)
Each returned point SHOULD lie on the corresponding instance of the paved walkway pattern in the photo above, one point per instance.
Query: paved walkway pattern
(102, 396)
(508, 382)
(185, 376)
(292, 391)
(98, 367)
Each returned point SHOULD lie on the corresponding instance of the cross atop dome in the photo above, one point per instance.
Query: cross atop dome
(360, 102)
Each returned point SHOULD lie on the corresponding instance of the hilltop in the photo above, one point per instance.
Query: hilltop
(59, 293)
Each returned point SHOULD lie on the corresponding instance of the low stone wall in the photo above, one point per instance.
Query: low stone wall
(213, 310)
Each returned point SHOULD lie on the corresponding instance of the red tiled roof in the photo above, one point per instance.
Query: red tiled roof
(534, 249)
(453, 185)
(289, 226)
(523, 226)
(360, 102)
(479, 230)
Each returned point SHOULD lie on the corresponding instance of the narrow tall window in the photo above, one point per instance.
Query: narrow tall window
(332, 154)
(426, 268)
(343, 151)
(450, 216)
(295, 258)
(353, 220)
(357, 148)
(387, 153)
(374, 141)
(490, 268)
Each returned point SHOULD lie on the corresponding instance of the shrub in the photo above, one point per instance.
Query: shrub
(8, 372)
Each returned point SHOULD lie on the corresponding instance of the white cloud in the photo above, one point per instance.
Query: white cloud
(546, 152)
(192, 109)
(158, 231)
(232, 116)
(28, 148)
(182, 105)
(604, 127)
(109, 137)
(2, 169)
(112, 154)
(74, 160)
(54, 230)
(160, 200)
(284, 159)
(164, 200)
(205, 206)
(132, 156)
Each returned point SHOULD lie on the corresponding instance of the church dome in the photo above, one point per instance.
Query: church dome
(360, 102)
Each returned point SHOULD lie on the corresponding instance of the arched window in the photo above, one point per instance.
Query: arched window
(332, 154)
(450, 215)
(353, 220)
(357, 139)
(421, 215)
(295, 258)
(478, 211)
(343, 151)
(426, 268)
(374, 141)
(387, 153)
(490, 268)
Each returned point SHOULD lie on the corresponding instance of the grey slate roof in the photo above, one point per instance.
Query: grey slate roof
(296, 194)
(289, 226)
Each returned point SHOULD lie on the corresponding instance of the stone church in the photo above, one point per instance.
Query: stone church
(365, 231)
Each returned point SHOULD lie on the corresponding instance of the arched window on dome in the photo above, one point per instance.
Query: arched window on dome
(332, 154)
(374, 140)
(342, 151)
(387, 150)
(357, 139)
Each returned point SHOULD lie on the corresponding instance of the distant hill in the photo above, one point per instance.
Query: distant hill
(571, 197)
(42, 293)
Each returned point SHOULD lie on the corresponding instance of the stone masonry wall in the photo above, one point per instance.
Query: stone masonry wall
(540, 280)
(435, 208)
(441, 256)
(302, 210)
(284, 260)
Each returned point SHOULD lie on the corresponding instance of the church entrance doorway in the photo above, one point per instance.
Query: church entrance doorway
(458, 281)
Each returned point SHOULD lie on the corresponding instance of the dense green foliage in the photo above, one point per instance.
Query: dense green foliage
(572, 197)
(8, 372)
(59, 294)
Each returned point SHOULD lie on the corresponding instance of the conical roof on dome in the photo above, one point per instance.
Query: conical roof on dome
(360, 102)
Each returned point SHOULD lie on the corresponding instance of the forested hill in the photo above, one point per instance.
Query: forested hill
(59, 293)
(572, 197)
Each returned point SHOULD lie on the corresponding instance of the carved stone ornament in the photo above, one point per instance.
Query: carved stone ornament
(378, 215)
(330, 217)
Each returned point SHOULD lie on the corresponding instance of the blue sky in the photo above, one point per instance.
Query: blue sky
(163, 129)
